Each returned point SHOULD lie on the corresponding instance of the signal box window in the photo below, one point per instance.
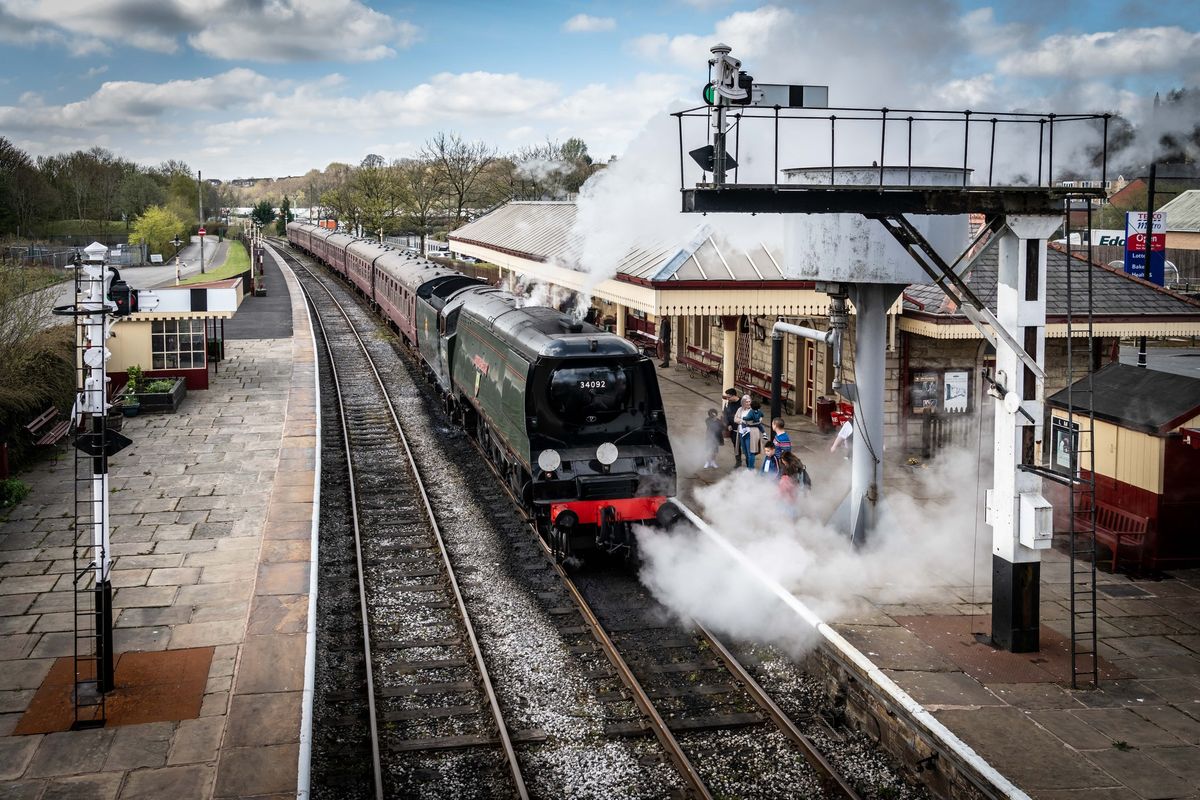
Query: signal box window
(177, 344)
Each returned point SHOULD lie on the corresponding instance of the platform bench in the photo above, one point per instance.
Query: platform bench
(764, 390)
(49, 428)
(701, 360)
(645, 342)
(1115, 528)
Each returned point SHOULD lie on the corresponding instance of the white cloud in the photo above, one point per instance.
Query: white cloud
(134, 103)
(1123, 52)
(94, 71)
(278, 31)
(586, 23)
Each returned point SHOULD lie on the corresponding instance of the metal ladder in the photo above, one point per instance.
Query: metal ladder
(1081, 422)
(87, 698)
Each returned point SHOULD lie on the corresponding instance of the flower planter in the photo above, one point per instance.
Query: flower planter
(165, 402)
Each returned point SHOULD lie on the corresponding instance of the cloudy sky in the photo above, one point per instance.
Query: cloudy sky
(243, 88)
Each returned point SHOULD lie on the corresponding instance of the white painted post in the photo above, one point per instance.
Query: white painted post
(1021, 310)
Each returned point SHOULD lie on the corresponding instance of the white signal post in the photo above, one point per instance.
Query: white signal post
(90, 418)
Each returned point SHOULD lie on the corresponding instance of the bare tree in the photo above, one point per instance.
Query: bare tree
(379, 196)
(461, 165)
(423, 188)
(339, 197)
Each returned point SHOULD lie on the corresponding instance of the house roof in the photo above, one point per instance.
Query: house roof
(1115, 295)
(544, 231)
(1183, 213)
(1132, 397)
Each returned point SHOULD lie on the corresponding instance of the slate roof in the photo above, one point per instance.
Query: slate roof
(1183, 213)
(1142, 399)
(543, 230)
(1114, 294)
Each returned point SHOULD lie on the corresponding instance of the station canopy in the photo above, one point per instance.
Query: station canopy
(704, 275)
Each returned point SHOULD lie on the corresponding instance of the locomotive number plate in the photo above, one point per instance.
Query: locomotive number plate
(593, 384)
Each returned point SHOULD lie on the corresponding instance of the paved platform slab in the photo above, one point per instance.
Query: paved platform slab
(268, 317)
(211, 511)
(1134, 737)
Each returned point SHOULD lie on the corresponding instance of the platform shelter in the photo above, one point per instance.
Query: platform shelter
(1147, 457)
(181, 337)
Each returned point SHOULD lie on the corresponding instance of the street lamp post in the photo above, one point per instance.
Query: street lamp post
(177, 242)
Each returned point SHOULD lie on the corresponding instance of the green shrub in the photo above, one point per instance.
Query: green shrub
(158, 386)
(135, 378)
(12, 491)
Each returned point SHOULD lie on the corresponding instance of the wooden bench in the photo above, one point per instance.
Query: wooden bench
(49, 428)
(646, 342)
(1115, 528)
(701, 360)
(763, 390)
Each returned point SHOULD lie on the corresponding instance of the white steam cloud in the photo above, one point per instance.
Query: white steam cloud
(918, 545)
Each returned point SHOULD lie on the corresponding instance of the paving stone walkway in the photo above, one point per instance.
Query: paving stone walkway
(211, 513)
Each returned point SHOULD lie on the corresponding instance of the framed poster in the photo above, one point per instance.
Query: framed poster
(1064, 438)
(956, 391)
(926, 391)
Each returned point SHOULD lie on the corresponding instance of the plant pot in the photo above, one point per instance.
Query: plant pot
(131, 409)
(116, 419)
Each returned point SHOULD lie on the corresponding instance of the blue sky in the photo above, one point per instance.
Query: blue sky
(280, 87)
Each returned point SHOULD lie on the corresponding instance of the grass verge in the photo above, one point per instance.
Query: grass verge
(237, 261)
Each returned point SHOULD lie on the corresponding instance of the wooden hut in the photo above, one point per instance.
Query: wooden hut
(1147, 461)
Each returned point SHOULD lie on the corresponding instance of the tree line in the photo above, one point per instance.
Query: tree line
(93, 185)
(446, 183)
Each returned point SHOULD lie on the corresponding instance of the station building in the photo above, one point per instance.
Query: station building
(181, 337)
(716, 305)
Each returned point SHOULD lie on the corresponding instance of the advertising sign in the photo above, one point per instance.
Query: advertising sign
(954, 390)
(1135, 246)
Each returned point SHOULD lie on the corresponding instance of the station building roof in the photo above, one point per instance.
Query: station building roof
(208, 300)
(1133, 397)
(1183, 213)
(1122, 305)
(704, 275)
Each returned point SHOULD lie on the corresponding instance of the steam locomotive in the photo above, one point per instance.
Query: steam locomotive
(571, 415)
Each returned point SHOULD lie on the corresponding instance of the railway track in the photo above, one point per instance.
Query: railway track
(712, 720)
(426, 705)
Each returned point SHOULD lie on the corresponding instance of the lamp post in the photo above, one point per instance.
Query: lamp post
(177, 242)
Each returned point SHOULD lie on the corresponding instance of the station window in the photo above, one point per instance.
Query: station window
(177, 344)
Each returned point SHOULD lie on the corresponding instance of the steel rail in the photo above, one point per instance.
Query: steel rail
(829, 776)
(659, 726)
(489, 689)
(373, 720)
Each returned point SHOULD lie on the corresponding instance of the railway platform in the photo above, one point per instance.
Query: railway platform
(1137, 736)
(212, 514)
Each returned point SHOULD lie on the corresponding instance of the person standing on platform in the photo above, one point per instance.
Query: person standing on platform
(779, 435)
(793, 481)
(750, 430)
(714, 437)
(729, 411)
(770, 465)
(664, 341)
(843, 438)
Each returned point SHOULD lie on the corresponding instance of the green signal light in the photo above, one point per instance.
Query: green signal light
(710, 95)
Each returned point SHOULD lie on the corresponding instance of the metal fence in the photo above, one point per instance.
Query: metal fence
(120, 255)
